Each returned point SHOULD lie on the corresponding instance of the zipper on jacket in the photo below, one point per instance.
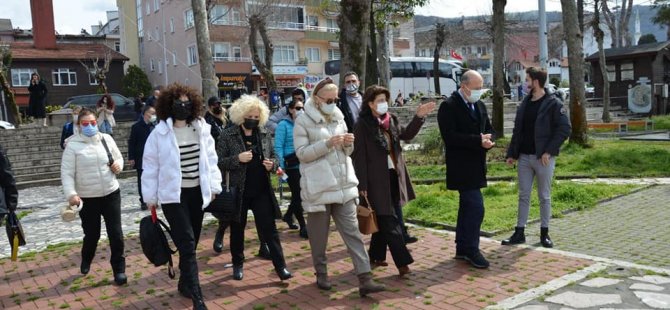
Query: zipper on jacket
(332, 133)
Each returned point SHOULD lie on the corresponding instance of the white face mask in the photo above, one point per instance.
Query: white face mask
(327, 108)
(352, 88)
(152, 119)
(299, 112)
(382, 108)
(475, 95)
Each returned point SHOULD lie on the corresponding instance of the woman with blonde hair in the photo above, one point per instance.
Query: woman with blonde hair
(245, 153)
(179, 173)
(329, 185)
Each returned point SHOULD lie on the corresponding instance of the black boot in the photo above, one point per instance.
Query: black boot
(238, 272)
(196, 297)
(288, 219)
(544, 238)
(218, 239)
(518, 237)
(183, 288)
(119, 271)
(408, 239)
(264, 252)
(85, 266)
(303, 232)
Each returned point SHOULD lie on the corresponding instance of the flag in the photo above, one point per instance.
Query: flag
(455, 55)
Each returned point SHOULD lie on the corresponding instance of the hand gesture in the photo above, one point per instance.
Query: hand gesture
(425, 109)
(268, 164)
(487, 144)
(116, 167)
(348, 139)
(335, 141)
(245, 157)
(510, 161)
(74, 200)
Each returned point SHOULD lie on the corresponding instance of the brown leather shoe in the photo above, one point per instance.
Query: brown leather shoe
(379, 263)
(403, 271)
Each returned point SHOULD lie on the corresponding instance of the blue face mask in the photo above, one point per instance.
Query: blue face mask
(90, 130)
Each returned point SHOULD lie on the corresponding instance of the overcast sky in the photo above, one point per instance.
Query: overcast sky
(73, 15)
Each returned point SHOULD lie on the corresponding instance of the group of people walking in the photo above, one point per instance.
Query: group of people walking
(338, 149)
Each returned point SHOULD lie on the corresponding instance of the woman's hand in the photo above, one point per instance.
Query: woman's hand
(348, 139)
(425, 109)
(335, 141)
(116, 167)
(268, 164)
(74, 200)
(245, 157)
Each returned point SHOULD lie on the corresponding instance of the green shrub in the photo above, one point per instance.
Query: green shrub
(431, 141)
(134, 82)
(661, 122)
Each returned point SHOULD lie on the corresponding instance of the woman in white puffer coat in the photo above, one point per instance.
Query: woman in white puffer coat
(88, 174)
(328, 183)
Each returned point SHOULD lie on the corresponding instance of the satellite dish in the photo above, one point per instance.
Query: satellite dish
(639, 99)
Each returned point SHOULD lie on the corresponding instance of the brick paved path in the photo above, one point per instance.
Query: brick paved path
(51, 279)
(633, 228)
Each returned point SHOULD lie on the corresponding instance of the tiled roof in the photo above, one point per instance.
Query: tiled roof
(64, 51)
(633, 50)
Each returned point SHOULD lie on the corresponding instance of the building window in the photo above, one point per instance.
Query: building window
(157, 35)
(331, 23)
(237, 53)
(221, 51)
(188, 19)
(160, 67)
(64, 77)
(148, 11)
(219, 15)
(117, 46)
(174, 58)
(171, 24)
(91, 77)
(284, 54)
(396, 33)
(156, 5)
(152, 65)
(627, 71)
(313, 54)
(21, 77)
(333, 54)
(235, 14)
(191, 55)
(261, 52)
(313, 21)
(611, 73)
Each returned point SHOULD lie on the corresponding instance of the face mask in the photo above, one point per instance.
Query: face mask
(153, 119)
(89, 130)
(217, 110)
(382, 108)
(475, 94)
(181, 110)
(327, 108)
(250, 123)
(352, 88)
(299, 112)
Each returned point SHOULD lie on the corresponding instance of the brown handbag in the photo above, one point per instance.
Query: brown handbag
(367, 220)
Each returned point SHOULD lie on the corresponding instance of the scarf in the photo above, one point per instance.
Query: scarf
(384, 121)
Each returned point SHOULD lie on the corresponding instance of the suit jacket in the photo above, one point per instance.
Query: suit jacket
(139, 133)
(346, 111)
(460, 130)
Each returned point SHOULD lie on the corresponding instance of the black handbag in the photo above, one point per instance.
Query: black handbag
(291, 160)
(154, 243)
(15, 234)
(225, 203)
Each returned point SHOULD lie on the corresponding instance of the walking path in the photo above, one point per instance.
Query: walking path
(522, 277)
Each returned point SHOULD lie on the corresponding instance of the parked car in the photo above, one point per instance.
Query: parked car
(123, 111)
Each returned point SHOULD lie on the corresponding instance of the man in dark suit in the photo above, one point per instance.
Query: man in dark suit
(351, 99)
(139, 133)
(467, 134)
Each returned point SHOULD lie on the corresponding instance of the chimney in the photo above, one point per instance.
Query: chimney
(44, 32)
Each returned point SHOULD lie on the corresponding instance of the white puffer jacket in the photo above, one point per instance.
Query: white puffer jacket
(327, 174)
(161, 166)
(84, 169)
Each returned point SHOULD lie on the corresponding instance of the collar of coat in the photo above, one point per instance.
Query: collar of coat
(163, 127)
(85, 139)
(315, 114)
(235, 130)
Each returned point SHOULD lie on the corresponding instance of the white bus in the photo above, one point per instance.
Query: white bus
(411, 75)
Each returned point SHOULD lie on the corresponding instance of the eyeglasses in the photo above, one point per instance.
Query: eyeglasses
(87, 123)
(328, 101)
(298, 108)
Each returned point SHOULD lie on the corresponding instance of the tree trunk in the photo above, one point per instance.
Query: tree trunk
(258, 25)
(600, 35)
(498, 67)
(626, 11)
(9, 95)
(573, 38)
(580, 15)
(383, 60)
(372, 71)
(207, 72)
(440, 37)
(353, 22)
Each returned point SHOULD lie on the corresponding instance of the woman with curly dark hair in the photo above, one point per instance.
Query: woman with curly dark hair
(105, 110)
(180, 156)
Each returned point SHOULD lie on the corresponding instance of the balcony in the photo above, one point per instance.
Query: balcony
(321, 33)
(225, 22)
(322, 29)
(286, 25)
(231, 59)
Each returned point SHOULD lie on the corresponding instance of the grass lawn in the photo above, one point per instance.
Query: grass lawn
(437, 205)
(604, 157)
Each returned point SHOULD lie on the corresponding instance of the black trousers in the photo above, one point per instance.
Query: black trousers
(185, 221)
(470, 217)
(295, 208)
(139, 184)
(264, 216)
(109, 207)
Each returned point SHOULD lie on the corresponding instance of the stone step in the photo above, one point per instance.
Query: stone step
(55, 175)
(24, 162)
(37, 157)
(55, 181)
(19, 171)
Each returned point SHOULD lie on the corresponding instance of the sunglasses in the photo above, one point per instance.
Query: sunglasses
(87, 123)
(328, 101)
(298, 108)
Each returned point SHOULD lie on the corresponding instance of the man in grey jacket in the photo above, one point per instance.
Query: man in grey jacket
(540, 128)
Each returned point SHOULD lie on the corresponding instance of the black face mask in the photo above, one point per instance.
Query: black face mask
(181, 110)
(217, 110)
(250, 123)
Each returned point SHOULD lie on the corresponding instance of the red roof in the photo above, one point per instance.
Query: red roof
(522, 46)
(64, 51)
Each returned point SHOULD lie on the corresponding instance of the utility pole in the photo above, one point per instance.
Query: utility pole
(543, 34)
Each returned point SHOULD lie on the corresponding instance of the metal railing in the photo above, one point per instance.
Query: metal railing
(322, 29)
(232, 59)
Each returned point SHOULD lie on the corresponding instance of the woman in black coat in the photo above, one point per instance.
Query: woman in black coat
(245, 154)
(10, 195)
(38, 96)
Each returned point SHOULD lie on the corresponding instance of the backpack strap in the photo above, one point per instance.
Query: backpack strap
(171, 272)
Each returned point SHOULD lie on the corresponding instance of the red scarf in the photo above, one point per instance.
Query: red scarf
(384, 121)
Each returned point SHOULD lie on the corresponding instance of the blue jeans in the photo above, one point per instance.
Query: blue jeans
(105, 127)
(470, 217)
